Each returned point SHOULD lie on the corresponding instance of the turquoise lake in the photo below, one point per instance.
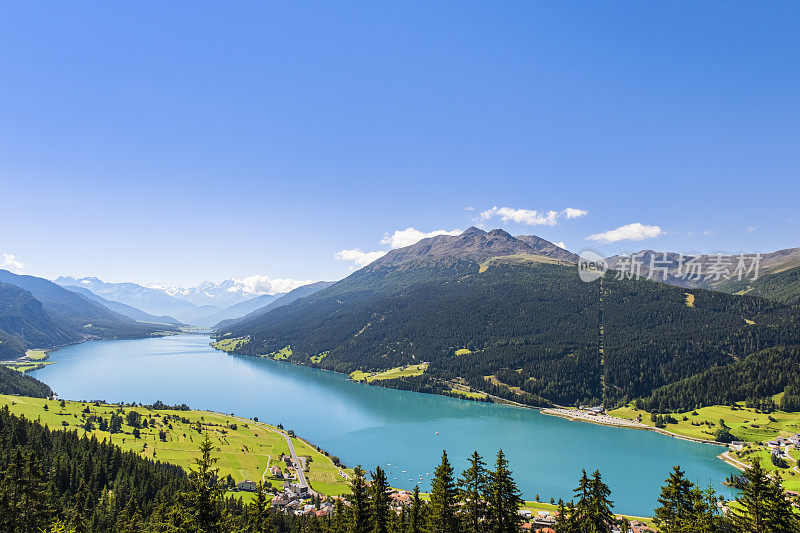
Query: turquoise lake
(377, 426)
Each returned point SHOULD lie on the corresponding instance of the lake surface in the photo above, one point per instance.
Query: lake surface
(377, 426)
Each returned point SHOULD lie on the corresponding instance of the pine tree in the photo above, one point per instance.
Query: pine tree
(504, 499)
(203, 503)
(593, 512)
(601, 517)
(359, 502)
(675, 502)
(260, 514)
(131, 519)
(81, 513)
(685, 508)
(567, 520)
(763, 505)
(417, 518)
(380, 502)
(444, 495)
(473, 486)
(705, 513)
(23, 497)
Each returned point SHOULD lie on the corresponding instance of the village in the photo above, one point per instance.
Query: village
(296, 497)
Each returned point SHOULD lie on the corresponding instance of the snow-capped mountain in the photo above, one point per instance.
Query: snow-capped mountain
(231, 291)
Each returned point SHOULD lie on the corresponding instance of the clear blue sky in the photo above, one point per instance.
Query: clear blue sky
(182, 141)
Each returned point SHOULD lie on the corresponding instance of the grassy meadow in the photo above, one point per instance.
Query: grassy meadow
(245, 448)
(397, 372)
(746, 424)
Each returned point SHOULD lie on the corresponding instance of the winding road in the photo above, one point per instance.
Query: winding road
(298, 465)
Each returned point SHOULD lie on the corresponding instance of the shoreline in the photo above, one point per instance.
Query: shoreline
(562, 412)
(613, 421)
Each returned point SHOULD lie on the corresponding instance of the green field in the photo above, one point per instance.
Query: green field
(32, 360)
(229, 345)
(463, 351)
(316, 359)
(789, 476)
(745, 424)
(26, 366)
(244, 447)
(469, 394)
(519, 259)
(282, 354)
(397, 372)
(36, 355)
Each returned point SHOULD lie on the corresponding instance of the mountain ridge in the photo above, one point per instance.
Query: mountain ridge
(484, 312)
(124, 309)
(474, 244)
(87, 317)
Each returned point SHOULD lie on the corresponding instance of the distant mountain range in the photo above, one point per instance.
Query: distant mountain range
(223, 294)
(203, 305)
(775, 278)
(124, 309)
(37, 313)
(152, 301)
(289, 297)
(509, 316)
(207, 316)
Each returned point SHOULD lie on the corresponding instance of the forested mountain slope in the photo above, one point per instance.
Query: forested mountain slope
(13, 382)
(526, 330)
(76, 316)
(52, 476)
(782, 286)
(24, 324)
(656, 334)
(758, 376)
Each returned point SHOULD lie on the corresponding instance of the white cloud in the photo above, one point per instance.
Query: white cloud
(571, 212)
(409, 236)
(469, 208)
(358, 257)
(261, 284)
(531, 217)
(629, 232)
(751, 229)
(561, 244)
(521, 216)
(11, 262)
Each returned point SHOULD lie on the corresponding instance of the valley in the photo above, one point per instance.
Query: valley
(374, 425)
(501, 321)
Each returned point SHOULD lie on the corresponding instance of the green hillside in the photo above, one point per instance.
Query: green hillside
(25, 323)
(37, 313)
(245, 448)
(783, 286)
(527, 330)
(15, 382)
